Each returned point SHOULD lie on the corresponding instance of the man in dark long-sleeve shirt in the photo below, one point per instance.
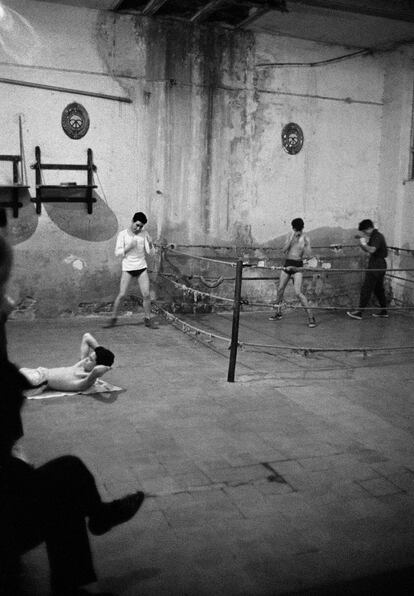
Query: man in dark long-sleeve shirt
(372, 242)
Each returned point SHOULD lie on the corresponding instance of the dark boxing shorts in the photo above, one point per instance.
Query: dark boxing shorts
(136, 272)
(292, 263)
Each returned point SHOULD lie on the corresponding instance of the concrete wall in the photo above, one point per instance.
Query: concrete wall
(396, 189)
(198, 149)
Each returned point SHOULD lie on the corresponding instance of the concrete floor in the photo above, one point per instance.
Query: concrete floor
(298, 477)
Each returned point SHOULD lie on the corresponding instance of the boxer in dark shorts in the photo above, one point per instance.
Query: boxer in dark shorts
(133, 245)
(136, 272)
(290, 263)
(296, 247)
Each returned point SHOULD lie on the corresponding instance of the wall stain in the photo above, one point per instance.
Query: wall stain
(73, 219)
(23, 227)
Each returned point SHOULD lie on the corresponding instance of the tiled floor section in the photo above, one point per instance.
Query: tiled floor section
(297, 476)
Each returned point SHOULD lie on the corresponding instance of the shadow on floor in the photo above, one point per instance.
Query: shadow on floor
(106, 397)
(396, 583)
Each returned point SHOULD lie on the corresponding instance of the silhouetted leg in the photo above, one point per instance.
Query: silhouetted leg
(69, 494)
(379, 290)
(367, 289)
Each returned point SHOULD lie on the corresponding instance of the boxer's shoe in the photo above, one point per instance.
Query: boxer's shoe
(354, 314)
(111, 323)
(115, 513)
(151, 323)
(380, 315)
(276, 317)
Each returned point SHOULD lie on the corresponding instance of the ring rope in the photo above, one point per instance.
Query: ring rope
(398, 250)
(398, 300)
(247, 302)
(327, 308)
(188, 327)
(324, 269)
(302, 349)
(273, 248)
(332, 308)
(281, 267)
(401, 278)
(196, 293)
(212, 284)
(206, 281)
(221, 279)
(178, 252)
(297, 269)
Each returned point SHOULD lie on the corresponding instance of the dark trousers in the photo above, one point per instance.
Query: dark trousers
(53, 508)
(373, 283)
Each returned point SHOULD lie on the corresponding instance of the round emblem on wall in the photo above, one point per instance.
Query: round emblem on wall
(75, 121)
(292, 138)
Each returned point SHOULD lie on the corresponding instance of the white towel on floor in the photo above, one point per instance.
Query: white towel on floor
(100, 386)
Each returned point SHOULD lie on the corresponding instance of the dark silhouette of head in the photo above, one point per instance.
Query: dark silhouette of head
(298, 224)
(140, 217)
(104, 356)
(365, 224)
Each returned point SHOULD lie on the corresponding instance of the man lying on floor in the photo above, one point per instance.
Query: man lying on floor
(94, 363)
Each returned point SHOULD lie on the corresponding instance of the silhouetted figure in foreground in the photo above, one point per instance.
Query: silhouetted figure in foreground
(54, 503)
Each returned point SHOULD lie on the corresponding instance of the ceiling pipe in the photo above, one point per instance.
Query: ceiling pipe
(65, 90)
(152, 7)
(257, 12)
(205, 10)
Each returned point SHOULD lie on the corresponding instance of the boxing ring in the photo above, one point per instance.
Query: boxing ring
(219, 300)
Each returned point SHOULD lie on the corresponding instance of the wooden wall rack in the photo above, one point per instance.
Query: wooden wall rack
(66, 192)
(14, 188)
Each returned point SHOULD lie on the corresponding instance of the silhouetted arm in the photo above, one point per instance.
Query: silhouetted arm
(90, 378)
(88, 343)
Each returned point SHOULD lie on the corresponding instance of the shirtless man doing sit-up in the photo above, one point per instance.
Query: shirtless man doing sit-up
(95, 361)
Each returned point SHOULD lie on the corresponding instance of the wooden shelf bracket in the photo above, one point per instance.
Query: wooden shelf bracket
(64, 192)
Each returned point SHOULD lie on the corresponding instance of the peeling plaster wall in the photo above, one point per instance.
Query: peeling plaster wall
(396, 196)
(198, 149)
(334, 179)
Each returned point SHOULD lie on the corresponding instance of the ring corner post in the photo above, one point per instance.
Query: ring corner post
(236, 318)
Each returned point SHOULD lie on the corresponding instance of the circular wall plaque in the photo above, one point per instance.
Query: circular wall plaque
(292, 138)
(75, 121)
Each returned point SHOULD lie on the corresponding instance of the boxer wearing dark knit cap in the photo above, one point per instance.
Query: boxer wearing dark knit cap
(372, 242)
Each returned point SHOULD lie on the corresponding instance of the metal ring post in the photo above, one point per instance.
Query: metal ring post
(236, 317)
